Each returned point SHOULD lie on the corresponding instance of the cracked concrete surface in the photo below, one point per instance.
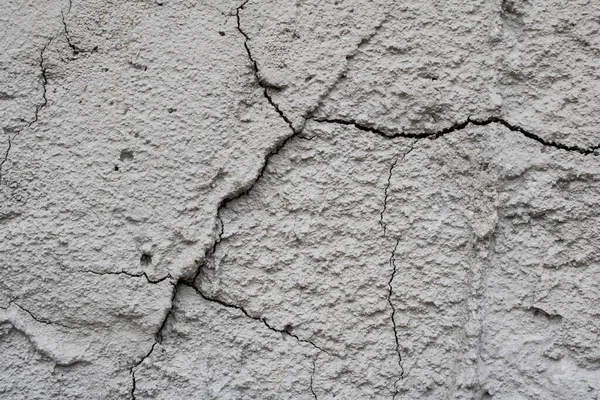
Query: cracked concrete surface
(299, 199)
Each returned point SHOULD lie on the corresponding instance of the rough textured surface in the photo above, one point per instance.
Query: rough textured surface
(299, 199)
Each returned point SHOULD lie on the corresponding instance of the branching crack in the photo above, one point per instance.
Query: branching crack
(387, 186)
(390, 133)
(393, 316)
(224, 202)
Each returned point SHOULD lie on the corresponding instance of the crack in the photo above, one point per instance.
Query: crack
(343, 73)
(158, 338)
(143, 274)
(74, 48)
(261, 81)
(392, 133)
(393, 316)
(6, 153)
(260, 319)
(44, 85)
(537, 311)
(223, 203)
(385, 197)
(42, 320)
(387, 187)
(312, 376)
(38, 107)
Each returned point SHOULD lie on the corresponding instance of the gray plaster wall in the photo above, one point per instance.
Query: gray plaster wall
(299, 199)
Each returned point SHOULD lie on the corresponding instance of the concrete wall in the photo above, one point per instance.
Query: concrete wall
(299, 199)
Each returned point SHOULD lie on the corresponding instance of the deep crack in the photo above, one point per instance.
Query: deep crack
(391, 133)
(223, 203)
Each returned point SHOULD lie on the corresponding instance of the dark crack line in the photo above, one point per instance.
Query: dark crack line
(6, 153)
(385, 196)
(42, 320)
(260, 319)
(387, 187)
(342, 74)
(44, 70)
(143, 274)
(391, 134)
(158, 338)
(393, 316)
(312, 376)
(74, 48)
(42, 351)
(261, 81)
(243, 191)
(38, 107)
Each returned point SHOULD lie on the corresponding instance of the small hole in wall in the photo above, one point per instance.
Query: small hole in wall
(126, 155)
(222, 33)
(288, 328)
(116, 167)
(146, 259)
(486, 395)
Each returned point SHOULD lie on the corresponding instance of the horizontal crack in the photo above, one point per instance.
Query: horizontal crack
(390, 134)
(143, 274)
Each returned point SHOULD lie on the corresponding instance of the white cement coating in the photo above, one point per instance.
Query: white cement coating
(299, 199)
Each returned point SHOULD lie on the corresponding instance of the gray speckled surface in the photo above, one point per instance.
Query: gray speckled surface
(299, 199)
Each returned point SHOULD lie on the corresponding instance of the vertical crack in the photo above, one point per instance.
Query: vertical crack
(158, 338)
(385, 197)
(312, 377)
(393, 316)
(226, 200)
(261, 81)
(38, 107)
(387, 186)
(74, 48)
